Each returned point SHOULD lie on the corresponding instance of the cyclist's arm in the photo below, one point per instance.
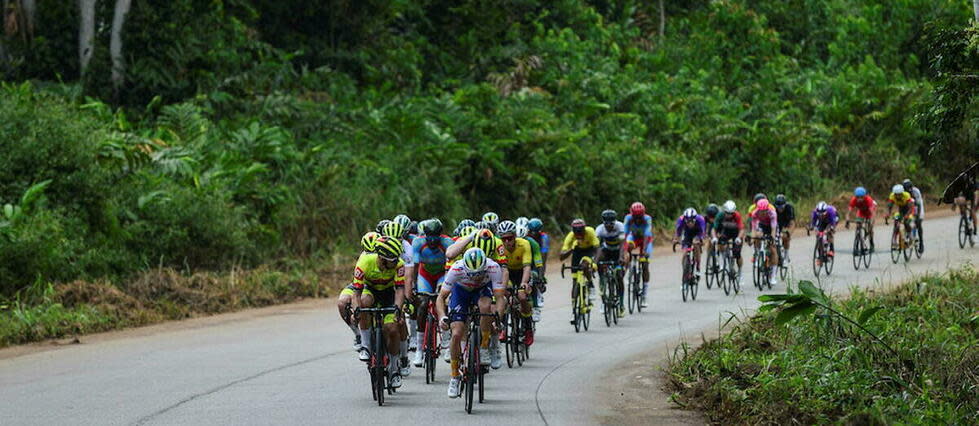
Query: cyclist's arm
(459, 246)
(568, 246)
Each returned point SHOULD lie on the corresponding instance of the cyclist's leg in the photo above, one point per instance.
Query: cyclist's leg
(459, 302)
(647, 255)
(485, 323)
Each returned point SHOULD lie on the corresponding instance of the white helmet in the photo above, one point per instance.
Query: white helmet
(689, 213)
(898, 189)
(506, 227)
(522, 221)
(474, 260)
(521, 231)
(729, 206)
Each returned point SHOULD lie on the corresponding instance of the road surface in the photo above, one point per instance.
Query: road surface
(296, 365)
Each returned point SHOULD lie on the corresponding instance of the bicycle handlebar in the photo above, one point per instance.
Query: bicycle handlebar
(572, 268)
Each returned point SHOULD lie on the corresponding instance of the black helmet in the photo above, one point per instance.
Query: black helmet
(431, 227)
(907, 185)
(780, 200)
(380, 225)
(712, 210)
(608, 216)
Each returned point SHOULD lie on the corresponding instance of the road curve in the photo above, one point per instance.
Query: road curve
(296, 366)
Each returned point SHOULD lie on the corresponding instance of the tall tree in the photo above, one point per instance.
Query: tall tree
(115, 43)
(86, 32)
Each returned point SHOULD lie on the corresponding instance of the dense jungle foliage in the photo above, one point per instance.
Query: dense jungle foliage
(246, 132)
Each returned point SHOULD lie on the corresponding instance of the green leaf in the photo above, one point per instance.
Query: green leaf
(8, 211)
(809, 289)
(788, 314)
(768, 307)
(33, 193)
(867, 313)
(788, 298)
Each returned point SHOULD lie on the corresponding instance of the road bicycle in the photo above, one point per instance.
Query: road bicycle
(821, 260)
(611, 288)
(513, 331)
(635, 282)
(730, 271)
(863, 246)
(688, 283)
(431, 347)
(473, 372)
(783, 254)
(580, 304)
(903, 243)
(377, 365)
(761, 271)
(967, 229)
(712, 272)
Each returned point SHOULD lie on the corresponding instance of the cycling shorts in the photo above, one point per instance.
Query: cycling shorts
(460, 300)
(578, 254)
(429, 283)
(862, 214)
(822, 225)
(766, 229)
(608, 254)
(649, 245)
(688, 237)
(735, 248)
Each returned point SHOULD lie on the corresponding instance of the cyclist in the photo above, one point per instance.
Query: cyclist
(865, 206)
(394, 229)
(535, 228)
(710, 213)
(379, 279)
(612, 235)
(729, 229)
(344, 300)
(473, 280)
(581, 244)
(429, 254)
(520, 258)
(754, 203)
(639, 232)
(825, 218)
(764, 223)
(967, 200)
(786, 220)
(484, 240)
(521, 221)
(536, 278)
(492, 220)
(905, 206)
(919, 210)
(690, 231)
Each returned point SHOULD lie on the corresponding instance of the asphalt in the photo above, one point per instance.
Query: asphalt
(295, 364)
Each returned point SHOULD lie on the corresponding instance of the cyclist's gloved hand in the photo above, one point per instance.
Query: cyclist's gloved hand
(713, 240)
(737, 241)
(445, 323)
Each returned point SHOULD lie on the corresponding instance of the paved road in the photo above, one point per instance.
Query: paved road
(297, 366)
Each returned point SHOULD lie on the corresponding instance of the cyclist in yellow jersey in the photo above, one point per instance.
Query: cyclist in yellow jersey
(383, 273)
(905, 206)
(581, 244)
(347, 294)
(519, 263)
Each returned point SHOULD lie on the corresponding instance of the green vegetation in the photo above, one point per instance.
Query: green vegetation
(910, 356)
(257, 133)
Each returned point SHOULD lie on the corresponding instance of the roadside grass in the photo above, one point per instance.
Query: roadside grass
(820, 368)
(48, 311)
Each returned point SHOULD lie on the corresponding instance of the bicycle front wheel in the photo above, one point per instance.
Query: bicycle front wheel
(964, 231)
(817, 255)
(858, 252)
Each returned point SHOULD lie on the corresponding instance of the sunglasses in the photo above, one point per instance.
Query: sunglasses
(508, 239)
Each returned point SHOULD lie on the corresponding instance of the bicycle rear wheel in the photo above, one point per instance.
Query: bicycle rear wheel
(858, 252)
(710, 278)
(685, 278)
(828, 264)
(723, 278)
(633, 283)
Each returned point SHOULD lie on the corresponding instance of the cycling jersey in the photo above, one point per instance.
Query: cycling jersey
(499, 256)
(728, 227)
(786, 216)
(588, 241)
(467, 288)
(767, 223)
(900, 200)
(535, 252)
(367, 274)
(919, 202)
(431, 260)
(611, 239)
(639, 231)
(698, 231)
(864, 206)
(406, 253)
(520, 256)
(544, 241)
(821, 222)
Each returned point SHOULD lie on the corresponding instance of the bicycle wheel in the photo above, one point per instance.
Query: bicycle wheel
(606, 298)
(685, 278)
(632, 290)
(857, 249)
(895, 246)
(472, 364)
(908, 246)
(507, 347)
(586, 313)
(868, 253)
(918, 244)
(709, 277)
(516, 338)
(735, 278)
(817, 255)
(694, 283)
(828, 264)
(724, 277)
(380, 366)
(576, 308)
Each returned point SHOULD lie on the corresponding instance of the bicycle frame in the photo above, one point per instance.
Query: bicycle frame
(580, 307)
(380, 359)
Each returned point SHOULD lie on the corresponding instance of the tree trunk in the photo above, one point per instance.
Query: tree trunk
(662, 21)
(115, 44)
(86, 32)
(29, 7)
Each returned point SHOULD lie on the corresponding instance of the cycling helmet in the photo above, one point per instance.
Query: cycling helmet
(535, 225)
(821, 207)
(730, 207)
(608, 216)
(522, 221)
(467, 231)
(393, 230)
(474, 260)
(762, 204)
(712, 210)
(403, 219)
(485, 240)
(521, 231)
(431, 227)
(491, 218)
(907, 185)
(780, 200)
(388, 248)
(380, 225)
(760, 196)
(898, 189)
(368, 240)
(466, 222)
(578, 226)
(689, 213)
(860, 191)
(483, 225)
(413, 228)
(637, 209)
(506, 227)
